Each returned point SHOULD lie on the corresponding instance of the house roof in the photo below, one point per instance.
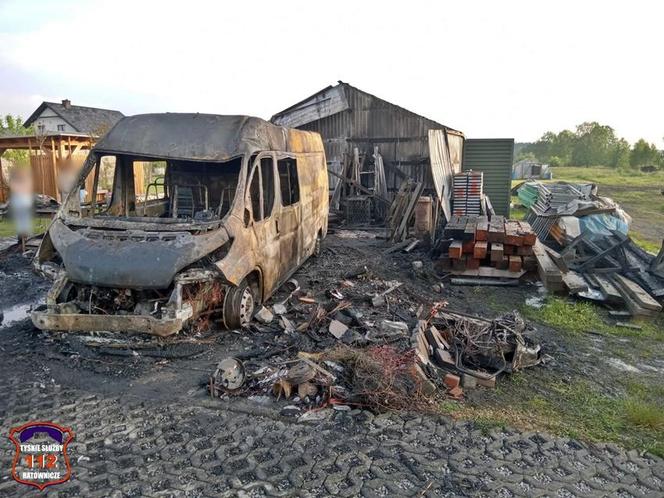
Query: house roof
(83, 119)
(201, 137)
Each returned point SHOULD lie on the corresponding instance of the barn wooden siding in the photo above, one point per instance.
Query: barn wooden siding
(347, 117)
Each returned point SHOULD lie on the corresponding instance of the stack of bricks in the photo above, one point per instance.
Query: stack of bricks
(498, 243)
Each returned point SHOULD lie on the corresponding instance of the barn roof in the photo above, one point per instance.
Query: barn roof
(331, 100)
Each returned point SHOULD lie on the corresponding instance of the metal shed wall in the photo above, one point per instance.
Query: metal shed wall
(492, 156)
(368, 121)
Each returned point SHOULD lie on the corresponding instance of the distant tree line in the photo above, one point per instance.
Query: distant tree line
(590, 145)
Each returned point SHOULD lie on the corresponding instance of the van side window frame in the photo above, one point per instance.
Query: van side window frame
(280, 157)
(256, 167)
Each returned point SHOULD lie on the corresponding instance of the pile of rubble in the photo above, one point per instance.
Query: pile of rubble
(584, 249)
(344, 353)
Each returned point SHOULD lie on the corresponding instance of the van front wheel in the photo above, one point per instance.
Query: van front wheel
(239, 305)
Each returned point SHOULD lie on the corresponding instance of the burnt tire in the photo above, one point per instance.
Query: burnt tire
(239, 305)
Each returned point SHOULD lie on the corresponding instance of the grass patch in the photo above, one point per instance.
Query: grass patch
(7, 228)
(649, 246)
(644, 414)
(578, 317)
(607, 176)
(575, 409)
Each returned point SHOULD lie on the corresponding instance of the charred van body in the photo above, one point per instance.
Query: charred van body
(231, 207)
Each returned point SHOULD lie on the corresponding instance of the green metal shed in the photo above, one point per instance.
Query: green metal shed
(492, 156)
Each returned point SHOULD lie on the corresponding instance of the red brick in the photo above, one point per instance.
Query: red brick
(451, 380)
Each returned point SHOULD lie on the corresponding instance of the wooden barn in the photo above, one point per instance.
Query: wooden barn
(347, 117)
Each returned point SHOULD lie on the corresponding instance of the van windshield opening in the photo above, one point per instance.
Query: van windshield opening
(173, 190)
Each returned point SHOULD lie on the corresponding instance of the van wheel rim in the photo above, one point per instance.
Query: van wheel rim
(246, 306)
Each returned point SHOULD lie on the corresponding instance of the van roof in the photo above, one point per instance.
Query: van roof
(202, 137)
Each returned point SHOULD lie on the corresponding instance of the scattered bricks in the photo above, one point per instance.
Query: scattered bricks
(468, 381)
(451, 381)
(456, 249)
(497, 251)
(468, 247)
(472, 263)
(264, 315)
(482, 229)
(509, 250)
(378, 300)
(443, 357)
(456, 393)
(504, 263)
(514, 263)
(480, 249)
(490, 383)
(279, 309)
(337, 329)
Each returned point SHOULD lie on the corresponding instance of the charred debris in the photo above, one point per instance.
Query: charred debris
(347, 349)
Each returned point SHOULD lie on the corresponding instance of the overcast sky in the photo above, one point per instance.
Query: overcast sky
(487, 68)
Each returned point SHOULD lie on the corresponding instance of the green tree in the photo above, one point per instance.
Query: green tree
(595, 144)
(621, 154)
(13, 125)
(644, 154)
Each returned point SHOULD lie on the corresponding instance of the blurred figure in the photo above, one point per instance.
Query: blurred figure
(21, 202)
(67, 177)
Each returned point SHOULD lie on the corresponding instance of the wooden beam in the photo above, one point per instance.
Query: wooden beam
(55, 170)
(361, 188)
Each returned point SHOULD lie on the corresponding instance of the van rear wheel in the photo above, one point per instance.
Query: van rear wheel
(239, 305)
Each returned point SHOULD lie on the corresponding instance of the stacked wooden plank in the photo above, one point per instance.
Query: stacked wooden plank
(467, 194)
(402, 210)
(486, 247)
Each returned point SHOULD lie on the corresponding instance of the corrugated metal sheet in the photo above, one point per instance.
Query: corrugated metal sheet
(493, 157)
(367, 121)
(327, 102)
(442, 168)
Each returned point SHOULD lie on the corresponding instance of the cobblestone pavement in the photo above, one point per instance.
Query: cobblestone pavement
(196, 446)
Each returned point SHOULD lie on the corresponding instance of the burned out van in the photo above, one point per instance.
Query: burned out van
(189, 215)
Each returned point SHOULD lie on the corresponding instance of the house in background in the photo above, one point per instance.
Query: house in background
(51, 117)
